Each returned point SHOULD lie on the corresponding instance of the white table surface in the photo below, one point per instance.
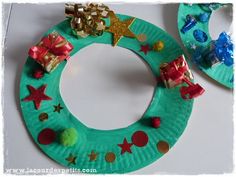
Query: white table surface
(112, 79)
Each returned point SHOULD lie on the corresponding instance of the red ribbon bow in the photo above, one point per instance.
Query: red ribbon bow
(53, 43)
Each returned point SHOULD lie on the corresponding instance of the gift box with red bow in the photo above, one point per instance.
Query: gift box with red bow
(50, 51)
(172, 73)
(177, 72)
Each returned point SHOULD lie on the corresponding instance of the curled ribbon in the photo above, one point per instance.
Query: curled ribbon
(50, 51)
(87, 19)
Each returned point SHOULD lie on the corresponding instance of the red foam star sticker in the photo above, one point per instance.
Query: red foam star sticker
(125, 147)
(37, 95)
(145, 49)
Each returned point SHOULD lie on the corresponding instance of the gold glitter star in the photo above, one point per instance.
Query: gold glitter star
(71, 159)
(120, 28)
(57, 108)
(93, 156)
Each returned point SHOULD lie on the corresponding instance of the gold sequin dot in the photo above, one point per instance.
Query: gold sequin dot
(110, 157)
(43, 116)
(163, 147)
(142, 37)
(158, 46)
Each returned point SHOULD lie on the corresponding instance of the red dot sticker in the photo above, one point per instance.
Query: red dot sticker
(46, 136)
(139, 138)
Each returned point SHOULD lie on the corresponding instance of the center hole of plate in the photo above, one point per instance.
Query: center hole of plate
(106, 87)
(221, 20)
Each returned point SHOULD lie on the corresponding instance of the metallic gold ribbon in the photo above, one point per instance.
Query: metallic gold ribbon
(87, 19)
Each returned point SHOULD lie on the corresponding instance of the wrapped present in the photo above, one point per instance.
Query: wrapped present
(50, 51)
(176, 73)
(173, 73)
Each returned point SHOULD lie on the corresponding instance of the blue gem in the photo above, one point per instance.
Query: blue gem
(200, 35)
(189, 23)
(224, 49)
(204, 17)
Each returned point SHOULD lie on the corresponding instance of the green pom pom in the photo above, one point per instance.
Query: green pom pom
(68, 137)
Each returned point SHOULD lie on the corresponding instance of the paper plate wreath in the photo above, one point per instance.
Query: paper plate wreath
(69, 142)
(213, 57)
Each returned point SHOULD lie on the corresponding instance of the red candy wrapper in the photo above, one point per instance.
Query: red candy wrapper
(50, 51)
(177, 72)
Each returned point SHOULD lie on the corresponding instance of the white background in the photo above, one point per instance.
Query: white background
(102, 78)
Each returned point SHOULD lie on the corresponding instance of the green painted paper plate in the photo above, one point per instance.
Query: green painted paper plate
(148, 144)
(221, 73)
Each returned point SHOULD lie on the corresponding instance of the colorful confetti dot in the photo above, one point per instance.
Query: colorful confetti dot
(163, 147)
(142, 37)
(110, 157)
(46, 136)
(139, 138)
(43, 116)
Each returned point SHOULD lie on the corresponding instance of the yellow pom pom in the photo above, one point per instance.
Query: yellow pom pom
(158, 46)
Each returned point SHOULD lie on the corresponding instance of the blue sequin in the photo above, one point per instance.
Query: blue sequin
(200, 35)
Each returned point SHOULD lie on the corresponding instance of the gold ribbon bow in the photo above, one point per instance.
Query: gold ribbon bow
(87, 19)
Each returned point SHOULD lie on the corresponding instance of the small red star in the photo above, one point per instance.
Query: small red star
(145, 49)
(125, 147)
(37, 95)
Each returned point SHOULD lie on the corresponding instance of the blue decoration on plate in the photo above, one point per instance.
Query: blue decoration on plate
(190, 22)
(197, 56)
(210, 6)
(200, 35)
(219, 51)
(210, 56)
(224, 49)
(204, 17)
